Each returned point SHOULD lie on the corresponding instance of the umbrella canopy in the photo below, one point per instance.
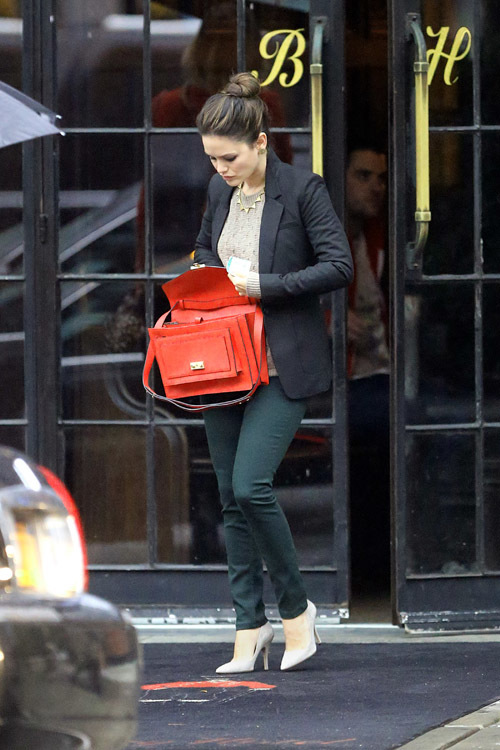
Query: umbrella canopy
(22, 118)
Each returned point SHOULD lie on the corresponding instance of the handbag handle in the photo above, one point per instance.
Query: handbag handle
(150, 357)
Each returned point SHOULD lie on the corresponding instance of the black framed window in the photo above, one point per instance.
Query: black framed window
(128, 82)
(450, 377)
(12, 395)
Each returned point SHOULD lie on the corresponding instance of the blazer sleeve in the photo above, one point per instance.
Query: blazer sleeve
(203, 252)
(332, 268)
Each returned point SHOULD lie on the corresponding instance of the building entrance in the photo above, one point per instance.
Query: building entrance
(395, 104)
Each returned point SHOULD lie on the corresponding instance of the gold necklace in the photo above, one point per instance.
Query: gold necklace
(258, 199)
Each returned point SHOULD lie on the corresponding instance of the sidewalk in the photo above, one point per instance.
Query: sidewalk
(476, 731)
(371, 687)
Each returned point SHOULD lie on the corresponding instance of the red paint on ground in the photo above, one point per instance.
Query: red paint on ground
(209, 684)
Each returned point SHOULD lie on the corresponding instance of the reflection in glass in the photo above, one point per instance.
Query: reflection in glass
(439, 378)
(304, 490)
(10, 9)
(181, 173)
(99, 58)
(491, 360)
(12, 401)
(491, 201)
(450, 247)
(189, 517)
(100, 187)
(180, 169)
(106, 474)
(449, 27)
(11, 350)
(171, 37)
(11, 41)
(193, 63)
(11, 212)
(198, 59)
(103, 342)
(491, 495)
(441, 504)
(187, 499)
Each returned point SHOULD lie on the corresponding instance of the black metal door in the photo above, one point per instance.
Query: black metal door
(445, 265)
(112, 211)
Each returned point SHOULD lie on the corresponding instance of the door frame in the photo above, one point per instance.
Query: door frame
(428, 601)
(189, 585)
(40, 220)
(142, 585)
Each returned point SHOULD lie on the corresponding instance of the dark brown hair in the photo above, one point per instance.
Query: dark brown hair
(235, 112)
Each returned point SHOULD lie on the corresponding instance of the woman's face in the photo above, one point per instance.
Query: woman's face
(234, 160)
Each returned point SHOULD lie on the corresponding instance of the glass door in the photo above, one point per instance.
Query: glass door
(124, 203)
(445, 272)
(12, 278)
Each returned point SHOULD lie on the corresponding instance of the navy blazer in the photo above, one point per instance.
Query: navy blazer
(303, 252)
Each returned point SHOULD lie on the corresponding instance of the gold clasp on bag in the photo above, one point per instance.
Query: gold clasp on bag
(197, 365)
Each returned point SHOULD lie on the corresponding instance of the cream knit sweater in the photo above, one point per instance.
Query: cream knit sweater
(240, 237)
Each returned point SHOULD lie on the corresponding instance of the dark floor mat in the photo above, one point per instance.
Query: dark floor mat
(369, 696)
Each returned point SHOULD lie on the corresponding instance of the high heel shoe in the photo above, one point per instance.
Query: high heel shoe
(298, 655)
(266, 635)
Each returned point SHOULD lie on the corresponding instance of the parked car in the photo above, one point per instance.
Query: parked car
(69, 661)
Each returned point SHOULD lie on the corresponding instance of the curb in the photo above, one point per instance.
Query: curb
(476, 731)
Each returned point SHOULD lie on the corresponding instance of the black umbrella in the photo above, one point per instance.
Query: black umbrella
(22, 118)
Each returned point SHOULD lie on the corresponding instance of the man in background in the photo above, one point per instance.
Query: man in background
(368, 366)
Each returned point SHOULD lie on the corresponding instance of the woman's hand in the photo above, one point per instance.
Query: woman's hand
(240, 282)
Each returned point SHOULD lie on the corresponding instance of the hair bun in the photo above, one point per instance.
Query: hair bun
(236, 112)
(243, 85)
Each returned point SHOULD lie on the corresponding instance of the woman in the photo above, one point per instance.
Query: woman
(280, 219)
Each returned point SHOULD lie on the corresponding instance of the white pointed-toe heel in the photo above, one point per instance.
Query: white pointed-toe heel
(298, 655)
(266, 635)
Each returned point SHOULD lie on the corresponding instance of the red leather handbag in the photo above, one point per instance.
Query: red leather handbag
(212, 343)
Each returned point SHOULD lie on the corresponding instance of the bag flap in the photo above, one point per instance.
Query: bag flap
(206, 283)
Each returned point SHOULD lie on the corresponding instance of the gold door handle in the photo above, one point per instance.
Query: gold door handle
(316, 70)
(414, 250)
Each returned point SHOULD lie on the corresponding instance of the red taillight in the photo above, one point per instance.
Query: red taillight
(62, 491)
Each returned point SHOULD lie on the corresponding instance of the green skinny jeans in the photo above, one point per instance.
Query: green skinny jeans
(247, 444)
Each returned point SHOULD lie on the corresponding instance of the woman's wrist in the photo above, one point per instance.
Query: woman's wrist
(253, 285)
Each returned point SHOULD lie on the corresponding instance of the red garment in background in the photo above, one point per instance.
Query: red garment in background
(374, 232)
(179, 108)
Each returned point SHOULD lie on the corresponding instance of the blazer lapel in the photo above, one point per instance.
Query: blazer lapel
(220, 216)
(271, 215)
